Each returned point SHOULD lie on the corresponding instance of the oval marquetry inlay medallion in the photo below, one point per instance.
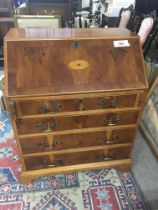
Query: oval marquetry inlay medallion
(78, 64)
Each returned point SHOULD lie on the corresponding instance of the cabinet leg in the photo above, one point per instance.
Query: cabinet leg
(126, 168)
(26, 179)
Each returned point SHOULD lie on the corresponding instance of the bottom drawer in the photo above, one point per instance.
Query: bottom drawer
(51, 161)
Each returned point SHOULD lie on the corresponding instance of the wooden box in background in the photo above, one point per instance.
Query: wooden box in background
(63, 8)
(37, 21)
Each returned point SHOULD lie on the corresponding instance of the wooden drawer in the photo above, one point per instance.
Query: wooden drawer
(45, 106)
(51, 161)
(61, 142)
(47, 125)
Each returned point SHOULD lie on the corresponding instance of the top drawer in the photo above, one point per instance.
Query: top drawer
(52, 105)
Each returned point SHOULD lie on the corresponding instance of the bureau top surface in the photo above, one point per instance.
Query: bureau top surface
(63, 33)
(66, 61)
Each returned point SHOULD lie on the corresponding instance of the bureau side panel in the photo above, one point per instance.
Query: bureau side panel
(10, 108)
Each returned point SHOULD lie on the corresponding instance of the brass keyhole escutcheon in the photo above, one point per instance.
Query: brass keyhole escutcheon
(78, 64)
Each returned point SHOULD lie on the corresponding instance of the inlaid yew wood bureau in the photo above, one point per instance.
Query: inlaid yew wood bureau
(74, 97)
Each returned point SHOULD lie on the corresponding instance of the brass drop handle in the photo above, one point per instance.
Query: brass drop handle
(44, 108)
(50, 127)
(81, 102)
(40, 126)
(106, 157)
(57, 107)
(112, 140)
(104, 140)
(44, 146)
(55, 163)
(106, 121)
(55, 143)
(113, 102)
(46, 128)
(115, 120)
(50, 165)
(53, 124)
(112, 121)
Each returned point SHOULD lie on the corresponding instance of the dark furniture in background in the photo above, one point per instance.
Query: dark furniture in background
(6, 22)
(63, 8)
(151, 46)
(146, 6)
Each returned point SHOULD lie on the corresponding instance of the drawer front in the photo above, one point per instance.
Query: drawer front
(34, 163)
(47, 125)
(45, 106)
(61, 142)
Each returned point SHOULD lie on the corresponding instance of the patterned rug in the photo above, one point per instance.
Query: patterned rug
(90, 190)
